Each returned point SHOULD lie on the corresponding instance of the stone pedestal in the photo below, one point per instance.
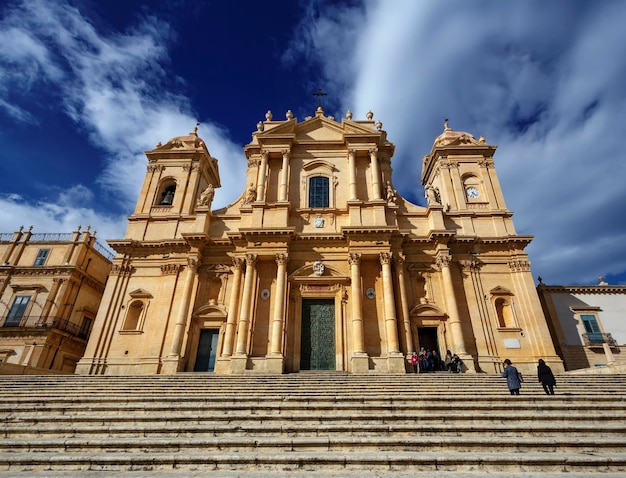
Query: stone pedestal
(360, 364)
(238, 364)
(275, 364)
(170, 365)
(395, 363)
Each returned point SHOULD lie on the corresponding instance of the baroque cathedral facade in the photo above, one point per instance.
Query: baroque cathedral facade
(320, 264)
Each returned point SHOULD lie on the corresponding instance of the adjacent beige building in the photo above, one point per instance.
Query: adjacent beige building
(587, 323)
(320, 264)
(50, 289)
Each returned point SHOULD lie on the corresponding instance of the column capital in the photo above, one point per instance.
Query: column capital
(354, 258)
(373, 152)
(285, 152)
(237, 262)
(282, 258)
(251, 259)
(443, 259)
(265, 154)
(386, 258)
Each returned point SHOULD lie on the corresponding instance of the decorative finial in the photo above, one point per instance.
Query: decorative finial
(601, 279)
(88, 228)
(379, 125)
(289, 114)
(268, 116)
(540, 280)
(30, 228)
(259, 126)
(78, 228)
(195, 130)
(159, 144)
(445, 125)
(21, 228)
(481, 139)
(369, 115)
(319, 111)
(349, 114)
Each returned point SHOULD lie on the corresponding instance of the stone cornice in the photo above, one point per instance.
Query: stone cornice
(131, 247)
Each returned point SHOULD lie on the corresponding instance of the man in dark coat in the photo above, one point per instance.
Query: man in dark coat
(546, 377)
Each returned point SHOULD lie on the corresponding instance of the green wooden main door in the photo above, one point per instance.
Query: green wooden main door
(317, 350)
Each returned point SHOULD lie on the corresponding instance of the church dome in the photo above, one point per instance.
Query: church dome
(449, 136)
(190, 141)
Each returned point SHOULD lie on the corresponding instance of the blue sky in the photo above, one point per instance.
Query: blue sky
(87, 86)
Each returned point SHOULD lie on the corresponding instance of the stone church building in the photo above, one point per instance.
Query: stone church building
(320, 264)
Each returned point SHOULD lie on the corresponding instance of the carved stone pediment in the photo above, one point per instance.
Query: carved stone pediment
(499, 290)
(140, 294)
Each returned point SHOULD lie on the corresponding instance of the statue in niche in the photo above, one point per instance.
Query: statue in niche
(206, 198)
(391, 194)
(432, 194)
(250, 195)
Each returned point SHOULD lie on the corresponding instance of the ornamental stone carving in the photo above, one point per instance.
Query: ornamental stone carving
(282, 258)
(354, 258)
(386, 258)
(318, 268)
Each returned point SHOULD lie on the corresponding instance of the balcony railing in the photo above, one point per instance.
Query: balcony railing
(57, 323)
(598, 339)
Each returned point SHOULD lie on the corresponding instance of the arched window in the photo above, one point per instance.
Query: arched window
(318, 192)
(133, 315)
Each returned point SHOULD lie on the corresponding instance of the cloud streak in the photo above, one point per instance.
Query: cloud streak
(532, 77)
(115, 88)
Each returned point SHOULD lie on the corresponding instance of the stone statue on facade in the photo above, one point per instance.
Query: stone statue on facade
(391, 194)
(206, 197)
(250, 194)
(432, 194)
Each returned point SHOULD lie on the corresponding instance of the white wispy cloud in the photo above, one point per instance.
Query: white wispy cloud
(544, 81)
(113, 86)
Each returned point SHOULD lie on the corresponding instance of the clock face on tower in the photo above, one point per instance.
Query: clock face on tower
(472, 193)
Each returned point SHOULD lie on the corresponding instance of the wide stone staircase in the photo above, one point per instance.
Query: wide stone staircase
(310, 424)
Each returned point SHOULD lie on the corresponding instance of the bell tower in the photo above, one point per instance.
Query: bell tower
(178, 174)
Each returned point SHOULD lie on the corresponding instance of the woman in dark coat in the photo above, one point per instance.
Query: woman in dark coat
(546, 377)
(512, 377)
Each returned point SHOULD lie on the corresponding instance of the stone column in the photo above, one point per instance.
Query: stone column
(443, 262)
(283, 192)
(354, 260)
(244, 312)
(279, 305)
(391, 321)
(181, 319)
(56, 283)
(375, 173)
(233, 308)
(406, 320)
(352, 172)
(360, 361)
(260, 187)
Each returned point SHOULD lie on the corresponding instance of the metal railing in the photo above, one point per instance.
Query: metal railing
(57, 323)
(51, 237)
(598, 339)
(6, 236)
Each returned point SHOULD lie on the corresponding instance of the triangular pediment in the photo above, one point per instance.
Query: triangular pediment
(499, 290)
(140, 294)
(319, 129)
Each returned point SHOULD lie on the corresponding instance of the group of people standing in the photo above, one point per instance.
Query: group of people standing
(514, 378)
(430, 361)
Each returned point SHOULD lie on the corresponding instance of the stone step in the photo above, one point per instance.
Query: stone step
(282, 429)
(467, 444)
(13, 409)
(330, 462)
